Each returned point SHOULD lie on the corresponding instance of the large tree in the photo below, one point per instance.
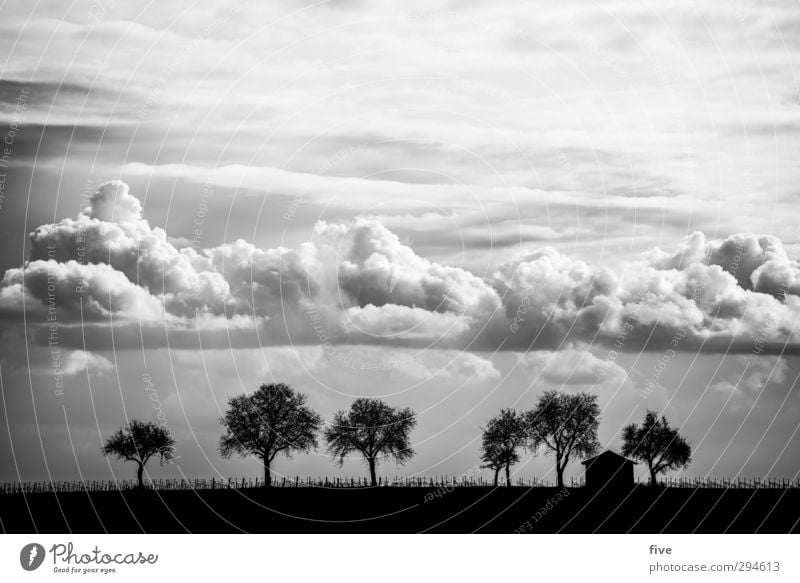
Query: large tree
(273, 420)
(501, 440)
(657, 444)
(139, 442)
(375, 430)
(566, 425)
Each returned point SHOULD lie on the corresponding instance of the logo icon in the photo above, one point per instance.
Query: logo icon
(31, 556)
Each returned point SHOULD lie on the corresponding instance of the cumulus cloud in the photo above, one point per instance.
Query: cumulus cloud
(758, 262)
(547, 296)
(571, 366)
(408, 366)
(111, 232)
(648, 303)
(80, 361)
(113, 203)
(382, 371)
(752, 375)
(70, 290)
(359, 283)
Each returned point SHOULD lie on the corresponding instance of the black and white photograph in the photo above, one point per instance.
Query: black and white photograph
(361, 268)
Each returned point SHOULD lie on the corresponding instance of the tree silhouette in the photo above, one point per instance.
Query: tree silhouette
(272, 420)
(374, 429)
(566, 425)
(502, 437)
(657, 444)
(140, 441)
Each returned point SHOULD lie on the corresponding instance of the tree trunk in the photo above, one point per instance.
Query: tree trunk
(372, 475)
(653, 478)
(139, 473)
(267, 474)
(560, 474)
(496, 476)
(508, 474)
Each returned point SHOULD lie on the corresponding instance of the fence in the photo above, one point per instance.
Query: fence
(244, 483)
(747, 483)
(414, 482)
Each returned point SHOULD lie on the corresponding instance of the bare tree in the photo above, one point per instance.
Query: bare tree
(375, 430)
(566, 425)
(272, 420)
(502, 437)
(657, 444)
(138, 442)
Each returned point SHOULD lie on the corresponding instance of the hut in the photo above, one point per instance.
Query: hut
(609, 470)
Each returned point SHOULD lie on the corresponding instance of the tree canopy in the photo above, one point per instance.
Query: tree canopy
(657, 444)
(501, 440)
(375, 430)
(140, 441)
(273, 420)
(565, 425)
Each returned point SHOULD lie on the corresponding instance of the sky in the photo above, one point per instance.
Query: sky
(447, 205)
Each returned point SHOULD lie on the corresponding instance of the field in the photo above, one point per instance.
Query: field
(403, 509)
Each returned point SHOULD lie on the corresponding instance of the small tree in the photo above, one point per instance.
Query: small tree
(140, 441)
(657, 444)
(502, 437)
(566, 425)
(375, 430)
(273, 420)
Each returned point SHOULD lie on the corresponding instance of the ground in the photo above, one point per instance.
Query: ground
(394, 509)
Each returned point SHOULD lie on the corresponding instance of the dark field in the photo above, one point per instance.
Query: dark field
(406, 510)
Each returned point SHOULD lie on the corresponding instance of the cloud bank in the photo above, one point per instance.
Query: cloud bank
(358, 283)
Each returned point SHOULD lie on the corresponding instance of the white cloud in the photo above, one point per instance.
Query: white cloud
(113, 203)
(79, 361)
(359, 283)
(571, 366)
(70, 290)
(752, 375)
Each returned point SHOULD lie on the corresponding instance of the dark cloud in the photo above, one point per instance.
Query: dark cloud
(52, 94)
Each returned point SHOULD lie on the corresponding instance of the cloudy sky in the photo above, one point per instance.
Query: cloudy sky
(451, 206)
